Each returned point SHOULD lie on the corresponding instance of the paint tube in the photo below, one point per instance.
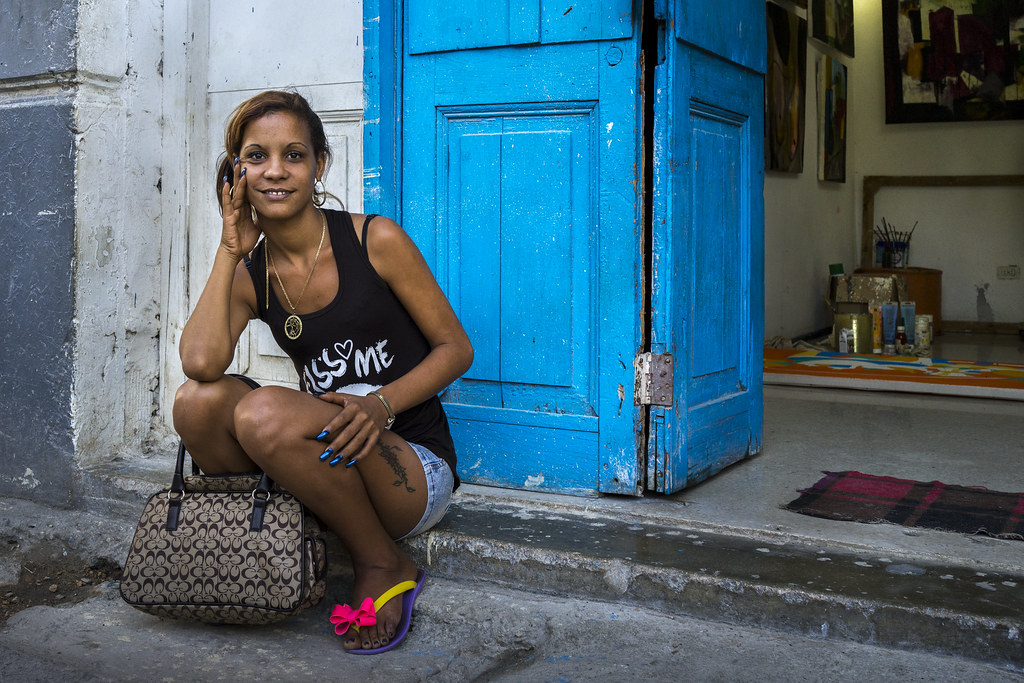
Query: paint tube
(907, 319)
(889, 323)
(876, 328)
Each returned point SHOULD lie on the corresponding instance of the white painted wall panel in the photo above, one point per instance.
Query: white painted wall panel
(260, 44)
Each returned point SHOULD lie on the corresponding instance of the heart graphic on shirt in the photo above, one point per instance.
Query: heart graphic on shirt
(343, 349)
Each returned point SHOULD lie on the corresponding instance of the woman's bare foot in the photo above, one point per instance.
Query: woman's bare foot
(373, 581)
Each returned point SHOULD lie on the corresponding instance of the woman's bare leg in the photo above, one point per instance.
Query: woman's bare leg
(204, 417)
(366, 506)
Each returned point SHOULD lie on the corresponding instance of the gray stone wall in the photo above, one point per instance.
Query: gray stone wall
(37, 237)
(36, 297)
(37, 37)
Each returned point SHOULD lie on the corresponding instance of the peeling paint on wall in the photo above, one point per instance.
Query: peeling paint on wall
(28, 480)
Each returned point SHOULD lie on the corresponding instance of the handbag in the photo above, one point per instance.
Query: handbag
(224, 549)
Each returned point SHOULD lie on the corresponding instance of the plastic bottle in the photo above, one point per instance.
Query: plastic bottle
(901, 340)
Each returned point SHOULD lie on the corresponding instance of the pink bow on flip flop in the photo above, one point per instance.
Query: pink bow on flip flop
(344, 617)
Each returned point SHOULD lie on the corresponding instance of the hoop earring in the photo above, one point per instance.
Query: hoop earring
(319, 196)
(252, 211)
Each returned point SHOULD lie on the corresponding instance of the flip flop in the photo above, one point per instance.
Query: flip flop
(344, 617)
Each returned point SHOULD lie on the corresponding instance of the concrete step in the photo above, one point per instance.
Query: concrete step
(794, 585)
(626, 551)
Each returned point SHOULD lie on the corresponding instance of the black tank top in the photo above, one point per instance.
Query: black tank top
(360, 341)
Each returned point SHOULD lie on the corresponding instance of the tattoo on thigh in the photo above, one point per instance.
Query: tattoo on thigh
(390, 455)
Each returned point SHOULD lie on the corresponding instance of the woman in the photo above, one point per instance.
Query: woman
(351, 300)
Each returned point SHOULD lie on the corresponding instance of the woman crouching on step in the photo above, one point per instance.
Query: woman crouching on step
(363, 442)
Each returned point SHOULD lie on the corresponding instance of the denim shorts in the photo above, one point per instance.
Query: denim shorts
(440, 483)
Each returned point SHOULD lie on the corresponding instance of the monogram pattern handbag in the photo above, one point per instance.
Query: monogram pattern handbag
(224, 549)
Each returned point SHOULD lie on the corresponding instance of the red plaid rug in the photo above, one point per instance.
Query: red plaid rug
(857, 497)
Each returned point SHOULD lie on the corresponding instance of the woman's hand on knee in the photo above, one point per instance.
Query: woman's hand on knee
(354, 431)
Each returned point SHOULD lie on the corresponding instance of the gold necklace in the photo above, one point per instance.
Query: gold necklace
(293, 323)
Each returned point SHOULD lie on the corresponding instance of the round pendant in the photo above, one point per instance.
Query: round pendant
(292, 327)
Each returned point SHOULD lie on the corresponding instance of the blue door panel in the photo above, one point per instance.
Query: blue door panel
(519, 455)
(518, 213)
(537, 257)
(707, 305)
(519, 187)
(716, 277)
(476, 288)
(519, 175)
(436, 26)
(733, 31)
(573, 21)
(716, 442)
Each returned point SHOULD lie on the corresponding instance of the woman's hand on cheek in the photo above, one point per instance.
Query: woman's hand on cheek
(353, 432)
(239, 233)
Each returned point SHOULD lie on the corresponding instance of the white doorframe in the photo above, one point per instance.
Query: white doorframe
(185, 39)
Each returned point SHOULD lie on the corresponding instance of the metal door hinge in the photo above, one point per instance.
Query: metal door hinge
(653, 373)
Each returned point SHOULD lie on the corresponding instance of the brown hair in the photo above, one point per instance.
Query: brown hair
(265, 103)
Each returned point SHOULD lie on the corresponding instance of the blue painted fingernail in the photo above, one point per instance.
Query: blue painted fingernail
(236, 160)
(225, 179)
(242, 173)
(326, 454)
(322, 435)
(336, 460)
(319, 393)
(350, 462)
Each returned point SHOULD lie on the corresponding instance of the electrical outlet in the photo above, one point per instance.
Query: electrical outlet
(1007, 272)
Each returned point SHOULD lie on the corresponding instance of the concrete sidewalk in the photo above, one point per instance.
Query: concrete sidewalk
(463, 631)
(717, 582)
(511, 596)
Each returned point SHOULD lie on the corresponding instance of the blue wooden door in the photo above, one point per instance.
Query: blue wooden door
(708, 269)
(520, 182)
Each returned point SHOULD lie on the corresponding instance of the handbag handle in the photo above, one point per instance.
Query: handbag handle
(176, 493)
(260, 495)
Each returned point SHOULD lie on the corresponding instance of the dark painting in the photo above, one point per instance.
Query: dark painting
(785, 87)
(832, 23)
(832, 110)
(956, 60)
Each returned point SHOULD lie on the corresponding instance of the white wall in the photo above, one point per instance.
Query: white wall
(809, 224)
(966, 232)
(118, 110)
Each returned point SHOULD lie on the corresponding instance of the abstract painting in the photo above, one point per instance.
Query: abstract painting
(832, 23)
(831, 119)
(785, 87)
(953, 60)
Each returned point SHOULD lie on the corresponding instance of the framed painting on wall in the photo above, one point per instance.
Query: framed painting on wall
(953, 60)
(832, 24)
(785, 88)
(831, 77)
